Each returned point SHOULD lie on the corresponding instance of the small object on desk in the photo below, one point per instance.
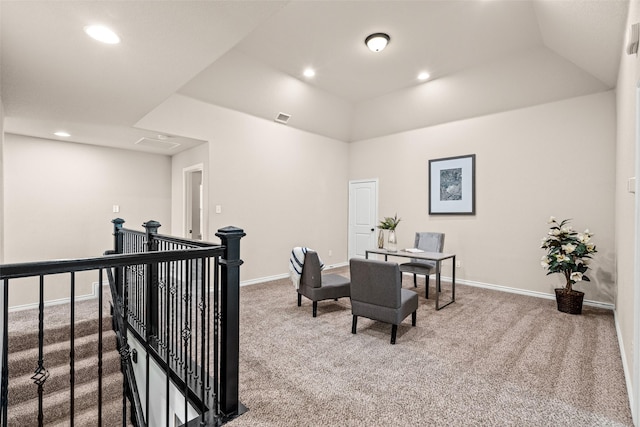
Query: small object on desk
(413, 250)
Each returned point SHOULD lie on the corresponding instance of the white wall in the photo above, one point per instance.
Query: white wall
(553, 159)
(59, 198)
(626, 232)
(285, 187)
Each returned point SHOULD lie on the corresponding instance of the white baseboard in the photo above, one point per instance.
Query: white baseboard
(500, 288)
(625, 367)
(95, 286)
(286, 275)
(536, 294)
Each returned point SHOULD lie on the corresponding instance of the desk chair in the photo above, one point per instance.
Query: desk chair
(428, 242)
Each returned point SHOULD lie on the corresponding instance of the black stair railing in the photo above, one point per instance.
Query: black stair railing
(178, 304)
(186, 315)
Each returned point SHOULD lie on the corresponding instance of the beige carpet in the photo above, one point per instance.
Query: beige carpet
(489, 359)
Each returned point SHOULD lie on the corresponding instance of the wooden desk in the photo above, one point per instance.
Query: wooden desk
(438, 257)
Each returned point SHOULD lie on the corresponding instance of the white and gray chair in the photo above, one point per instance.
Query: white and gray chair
(317, 286)
(377, 293)
(428, 242)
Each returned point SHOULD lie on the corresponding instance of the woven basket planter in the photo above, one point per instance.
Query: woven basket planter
(569, 302)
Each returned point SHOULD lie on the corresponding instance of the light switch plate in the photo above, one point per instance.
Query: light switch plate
(631, 185)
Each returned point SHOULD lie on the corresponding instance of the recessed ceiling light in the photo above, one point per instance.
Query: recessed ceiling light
(102, 34)
(309, 72)
(62, 134)
(423, 75)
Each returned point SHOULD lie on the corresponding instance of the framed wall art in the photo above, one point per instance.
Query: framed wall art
(452, 185)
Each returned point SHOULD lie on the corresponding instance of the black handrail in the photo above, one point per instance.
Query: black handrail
(30, 269)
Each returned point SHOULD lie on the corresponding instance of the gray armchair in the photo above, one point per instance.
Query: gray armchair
(317, 286)
(376, 293)
(428, 242)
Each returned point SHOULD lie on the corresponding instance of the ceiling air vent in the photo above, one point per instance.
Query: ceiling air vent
(283, 118)
(156, 143)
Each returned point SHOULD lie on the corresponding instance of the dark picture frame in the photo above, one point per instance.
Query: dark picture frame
(452, 185)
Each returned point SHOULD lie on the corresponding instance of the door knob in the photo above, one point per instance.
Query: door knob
(373, 229)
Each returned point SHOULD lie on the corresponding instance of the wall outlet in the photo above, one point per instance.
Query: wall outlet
(330, 252)
(218, 209)
(116, 208)
(458, 264)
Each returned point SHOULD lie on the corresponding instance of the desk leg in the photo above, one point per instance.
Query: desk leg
(453, 279)
(438, 288)
(453, 284)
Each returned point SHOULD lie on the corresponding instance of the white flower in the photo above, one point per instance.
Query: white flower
(552, 219)
(591, 247)
(584, 237)
(576, 276)
(568, 248)
(561, 258)
(555, 232)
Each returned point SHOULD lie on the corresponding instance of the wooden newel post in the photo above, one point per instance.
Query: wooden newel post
(118, 247)
(152, 284)
(230, 320)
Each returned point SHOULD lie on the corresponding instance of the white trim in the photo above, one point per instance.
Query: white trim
(285, 275)
(537, 294)
(93, 295)
(625, 368)
(500, 288)
(635, 403)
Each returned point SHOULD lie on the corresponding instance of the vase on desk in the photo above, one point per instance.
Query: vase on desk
(381, 239)
(392, 244)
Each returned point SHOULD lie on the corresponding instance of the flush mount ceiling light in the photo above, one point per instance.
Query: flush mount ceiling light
(377, 41)
(309, 72)
(423, 76)
(62, 134)
(102, 34)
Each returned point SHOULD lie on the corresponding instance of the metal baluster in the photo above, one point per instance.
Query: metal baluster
(216, 332)
(124, 351)
(100, 297)
(4, 393)
(170, 283)
(41, 374)
(72, 350)
(203, 336)
(186, 332)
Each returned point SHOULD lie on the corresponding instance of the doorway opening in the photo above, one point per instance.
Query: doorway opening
(194, 214)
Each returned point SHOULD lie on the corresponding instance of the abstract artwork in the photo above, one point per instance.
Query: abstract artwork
(452, 185)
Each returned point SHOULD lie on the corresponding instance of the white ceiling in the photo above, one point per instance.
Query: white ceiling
(483, 55)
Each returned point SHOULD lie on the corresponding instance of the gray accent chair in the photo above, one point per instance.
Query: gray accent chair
(377, 293)
(428, 242)
(317, 286)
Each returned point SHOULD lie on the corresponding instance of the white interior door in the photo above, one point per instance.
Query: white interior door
(363, 216)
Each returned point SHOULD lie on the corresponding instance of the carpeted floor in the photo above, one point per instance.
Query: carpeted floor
(489, 359)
